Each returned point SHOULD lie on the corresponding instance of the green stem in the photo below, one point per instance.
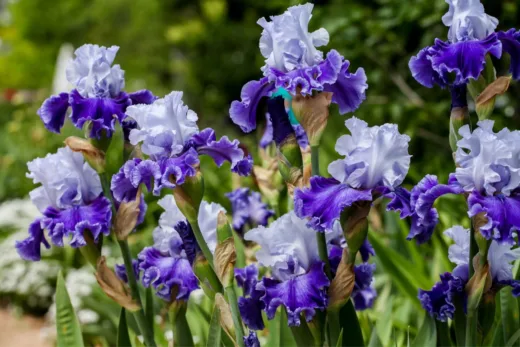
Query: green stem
(320, 236)
(181, 330)
(140, 317)
(237, 321)
(352, 334)
(472, 314)
(202, 243)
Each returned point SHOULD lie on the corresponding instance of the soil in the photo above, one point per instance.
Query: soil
(25, 331)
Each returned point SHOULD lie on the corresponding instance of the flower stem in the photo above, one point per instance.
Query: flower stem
(144, 327)
(202, 243)
(472, 314)
(320, 236)
(181, 330)
(237, 321)
(132, 282)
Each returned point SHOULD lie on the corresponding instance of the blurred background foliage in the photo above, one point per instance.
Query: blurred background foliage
(209, 49)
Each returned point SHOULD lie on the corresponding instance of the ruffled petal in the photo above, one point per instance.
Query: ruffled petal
(167, 274)
(243, 167)
(459, 62)
(243, 113)
(205, 142)
(422, 68)
(300, 294)
(511, 44)
(438, 301)
(190, 245)
(251, 340)
(247, 278)
(349, 90)
(366, 250)
(143, 96)
(502, 212)
(73, 222)
(174, 171)
(101, 112)
(364, 293)
(324, 201)
(134, 172)
(267, 137)
(29, 249)
(247, 208)
(53, 111)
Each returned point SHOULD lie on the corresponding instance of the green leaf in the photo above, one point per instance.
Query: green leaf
(215, 331)
(240, 251)
(352, 335)
(427, 335)
(340, 338)
(510, 314)
(69, 332)
(149, 313)
(513, 340)
(374, 339)
(123, 338)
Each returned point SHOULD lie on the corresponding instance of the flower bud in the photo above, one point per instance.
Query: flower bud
(342, 285)
(355, 227)
(207, 278)
(225, 254)
(226, 319)
(94, 156)
(485, 102)
(479, 284)
(126, 217)
(113, 287)
(188, 196)
(312, 112)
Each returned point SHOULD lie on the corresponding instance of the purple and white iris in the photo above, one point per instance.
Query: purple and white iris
(289, 248)
(70, 199)
(292, 62)
(168, 133)
(439, 301)
(376, 163)
(248, 209)
(463, 57)
(98, 97)
(488, 172)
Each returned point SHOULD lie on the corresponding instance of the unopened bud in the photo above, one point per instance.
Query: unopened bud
(226, 319)
(225, 254)
(126, 217)
(479, 284)
(94, 156)
(188, 196)
(485, 102)
(113, 287)
(312, 112)
(355, 226)
(206, 276)
(342, 285)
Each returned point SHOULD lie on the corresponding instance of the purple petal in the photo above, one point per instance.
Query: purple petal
(301, 294)
(335, 253)
(324, 201)
(189, 243)
(301, 136)
(279, 118)
(222, 150)
(175, 170)
(142, 210)
(143, 96)
(366, 250)
(438, 301)
(53, 111)
(248, 208)
(349, 89)
(511, 44)
(243, 167)
(502, 212)
(251, 340)
(243, 113)
(267, 137)
(73, 222)
(364, 294)
(422, 68)
(400, 201)
(120, 270)
(166, 273)
(101, 112)
(134, 172)
(250, 305)
(459, 62)
(29, 249)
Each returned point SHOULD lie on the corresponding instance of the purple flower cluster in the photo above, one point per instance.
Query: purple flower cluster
(463, 57)
(168, 133)
(98, 98)
(71, 201)
(488, 172)
(292, 62)
(439, 302)
(248, 209)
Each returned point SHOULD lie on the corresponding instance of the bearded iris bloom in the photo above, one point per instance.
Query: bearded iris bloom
(97, 98)
(488, 172)
(248, 209)
(439, 301)
(293, 62)
(376, 163)
(71, 201)
(168, 134)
